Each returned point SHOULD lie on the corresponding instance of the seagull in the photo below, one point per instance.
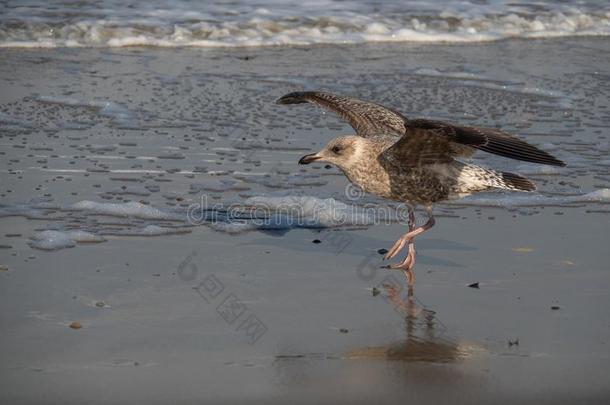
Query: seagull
(415, 161)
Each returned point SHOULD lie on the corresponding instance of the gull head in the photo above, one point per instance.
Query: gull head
(342, 152)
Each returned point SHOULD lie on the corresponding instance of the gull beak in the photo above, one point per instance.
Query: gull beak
(307, 159)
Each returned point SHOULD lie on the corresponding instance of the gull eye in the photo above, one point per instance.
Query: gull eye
(336, 149)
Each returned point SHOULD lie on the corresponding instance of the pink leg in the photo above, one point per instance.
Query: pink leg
(409, 262)
(400, 243)
(407, 265)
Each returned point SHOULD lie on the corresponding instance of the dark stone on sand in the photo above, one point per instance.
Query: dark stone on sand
(474, 285)
(316, 241)
(382, 251)
(289, 356)
(344, 330)
(555, 307)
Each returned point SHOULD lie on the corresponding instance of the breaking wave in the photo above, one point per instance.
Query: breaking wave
(159, 23)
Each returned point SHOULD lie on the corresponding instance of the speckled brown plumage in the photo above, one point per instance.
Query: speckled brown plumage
(370, 120)
(419, 154)
(415, 161)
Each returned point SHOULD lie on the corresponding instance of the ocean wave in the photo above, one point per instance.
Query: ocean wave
(260, 27)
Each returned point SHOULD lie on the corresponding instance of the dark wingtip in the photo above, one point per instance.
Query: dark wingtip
(522, 151)
(553, 161)
(549, 160)
(296, 97)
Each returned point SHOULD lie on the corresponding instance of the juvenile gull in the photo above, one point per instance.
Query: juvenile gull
(415, 161)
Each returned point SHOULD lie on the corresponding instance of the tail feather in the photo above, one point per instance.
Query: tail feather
(473, 178)
(515, 182)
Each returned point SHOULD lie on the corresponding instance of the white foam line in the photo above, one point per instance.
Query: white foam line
(599, 196)
(108, 157)
(105, 172)
(250, 173)
(57, 170)
(134, 171)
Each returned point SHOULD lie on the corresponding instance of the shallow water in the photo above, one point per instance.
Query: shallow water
(193, 142)
(111, 23)
(107, 149)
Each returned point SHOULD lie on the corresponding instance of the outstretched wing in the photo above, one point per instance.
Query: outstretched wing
(420, 147)
(486, 139)
(368, 119)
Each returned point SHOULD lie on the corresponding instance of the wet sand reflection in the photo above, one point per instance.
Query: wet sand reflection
(425, 363)
(425, 338)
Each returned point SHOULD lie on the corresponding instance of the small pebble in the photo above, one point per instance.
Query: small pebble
(382, 251)
(555, 307)
(344, 330)
(100, 304)
(376, 291)
(76, 325)
(474, 285)
(316, 241)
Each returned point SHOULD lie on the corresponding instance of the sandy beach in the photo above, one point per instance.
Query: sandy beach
(111, 293)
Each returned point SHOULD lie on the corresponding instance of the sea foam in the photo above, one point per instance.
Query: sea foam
(258, 213)
(270, 22)
(55, 240)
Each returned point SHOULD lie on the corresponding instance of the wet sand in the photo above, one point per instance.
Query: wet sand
(268, 316)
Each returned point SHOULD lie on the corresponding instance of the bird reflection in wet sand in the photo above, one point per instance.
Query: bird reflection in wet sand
(415, 161)
(423, 340)
(423, 362)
